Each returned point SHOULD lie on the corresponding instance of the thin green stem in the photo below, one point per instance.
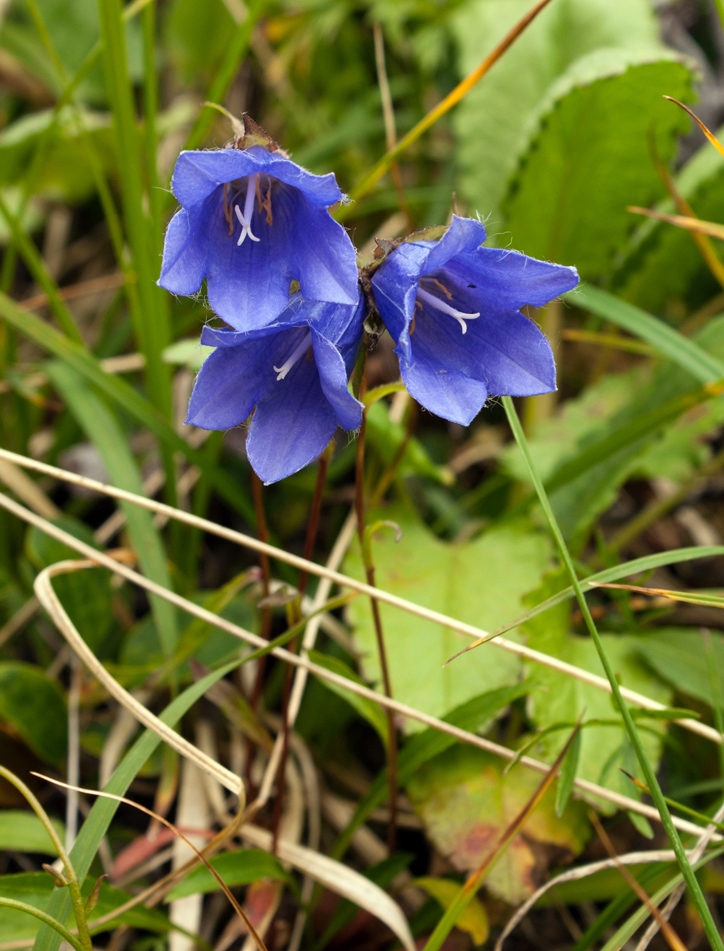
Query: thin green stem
(657, 795)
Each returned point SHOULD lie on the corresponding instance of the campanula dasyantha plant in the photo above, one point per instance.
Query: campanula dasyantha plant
(282, 274)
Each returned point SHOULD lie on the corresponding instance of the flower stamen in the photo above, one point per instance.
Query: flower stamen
(299, 350)
(245, 219)
(438, 304)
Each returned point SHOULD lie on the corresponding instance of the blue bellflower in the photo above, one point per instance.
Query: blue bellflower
(295, 372)
(453, 308)
(251, 222)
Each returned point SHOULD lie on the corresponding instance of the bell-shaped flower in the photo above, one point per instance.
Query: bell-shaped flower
(293, 374)
(252, 221)
(453, 308)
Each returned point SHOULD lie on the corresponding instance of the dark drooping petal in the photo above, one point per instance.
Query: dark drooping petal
(252, 222)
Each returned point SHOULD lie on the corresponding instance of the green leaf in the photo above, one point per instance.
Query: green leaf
(103, 429)
(367, 709)
(466, 801)
(387, 436)
(65, 173)
(196, 36)
(24, 832)
(634, 423)
(85, 595)
(235, 868)
(33, 705)
(677, 655)
(481, 582)
(588, 157)
(187, 353)
(99, 818)
(569, 771)
(491, 122)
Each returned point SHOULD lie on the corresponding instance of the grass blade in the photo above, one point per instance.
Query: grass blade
(695, 892)
(664, 339)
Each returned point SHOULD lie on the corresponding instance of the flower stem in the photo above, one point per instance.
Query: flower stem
(295, 616)
(392, 779)
(262, 534)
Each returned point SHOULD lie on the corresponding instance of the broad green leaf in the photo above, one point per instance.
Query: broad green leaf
(562, 699)
(663, 269)
(34, 707)
(588, 157)
(112, 443)
(677, 655)
(473, 918)
(371, 711)
(235, 868)
(481, 582)
(466, 802)
(491, 123)
(23, 831)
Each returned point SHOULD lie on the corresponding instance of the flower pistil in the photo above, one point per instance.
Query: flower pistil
(440, 305)
(301, 347)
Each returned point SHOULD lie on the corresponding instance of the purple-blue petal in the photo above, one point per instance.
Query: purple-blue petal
(198, 173)
(184, 254)
(514, 357)
(292, 426)
(228, 387)
(507, 280)
(464, 236)
(446, 393)
(333, 380)
(248, 284)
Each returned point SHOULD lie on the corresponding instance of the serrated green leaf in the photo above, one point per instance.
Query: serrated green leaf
(491, 122)
(589, 157)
